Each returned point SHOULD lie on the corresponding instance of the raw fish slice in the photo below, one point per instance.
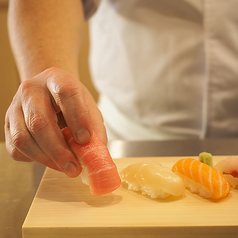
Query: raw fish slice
(99, 170)
(233, 181)
(214, 183)
(153, 180)
(229, 167)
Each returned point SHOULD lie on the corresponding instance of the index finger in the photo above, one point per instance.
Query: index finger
(68, 94)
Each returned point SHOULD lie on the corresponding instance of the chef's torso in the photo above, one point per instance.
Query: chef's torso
(168, 66)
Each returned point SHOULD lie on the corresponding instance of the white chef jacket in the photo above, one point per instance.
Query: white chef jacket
(166, 69)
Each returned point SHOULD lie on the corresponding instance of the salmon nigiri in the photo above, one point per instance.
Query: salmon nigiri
(99, 170)
(202, 179)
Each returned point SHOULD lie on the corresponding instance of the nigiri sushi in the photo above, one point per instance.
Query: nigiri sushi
(99, 170)
(229, 167)
(202, 179)
(153, 180)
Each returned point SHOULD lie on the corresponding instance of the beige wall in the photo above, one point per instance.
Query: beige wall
(9, 80)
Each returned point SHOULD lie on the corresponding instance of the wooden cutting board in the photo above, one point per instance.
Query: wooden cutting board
(63, 207)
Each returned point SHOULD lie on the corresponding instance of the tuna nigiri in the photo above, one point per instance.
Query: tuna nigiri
(99, 170)
(153, 180)
(202, 179)
(229, 167)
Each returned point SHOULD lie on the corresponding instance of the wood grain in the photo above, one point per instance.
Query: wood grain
(64, 207)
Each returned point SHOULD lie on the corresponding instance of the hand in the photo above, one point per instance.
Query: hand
(41, 106)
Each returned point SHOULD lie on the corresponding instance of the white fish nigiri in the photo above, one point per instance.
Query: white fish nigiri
(153, 180)
(229, 168)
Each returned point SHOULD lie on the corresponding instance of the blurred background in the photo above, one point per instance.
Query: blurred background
(9, 78)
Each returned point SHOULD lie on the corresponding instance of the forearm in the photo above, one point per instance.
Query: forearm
(45, 34)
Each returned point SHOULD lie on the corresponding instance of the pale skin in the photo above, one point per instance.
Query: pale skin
(46, 37)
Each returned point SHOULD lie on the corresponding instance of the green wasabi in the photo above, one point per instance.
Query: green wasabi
(206, 158)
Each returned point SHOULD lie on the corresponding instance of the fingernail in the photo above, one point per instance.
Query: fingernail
(70, 169)
(82, 136)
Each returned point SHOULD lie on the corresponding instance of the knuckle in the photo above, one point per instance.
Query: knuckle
(49, 163)
(25, 90)
(25, 85)
(83, 114)
(57, 153)
(14, 105)
(7, 124)
(28, 88)
(14, 153)
(20, 140)
(37, 123)
(53, 71)
(60, 156)
(67, 90)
